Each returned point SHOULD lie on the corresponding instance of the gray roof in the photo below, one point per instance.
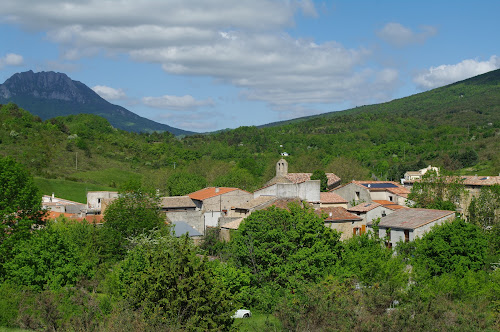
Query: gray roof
(256, 202)
(181, 227)
(173, 202)
(412, 218)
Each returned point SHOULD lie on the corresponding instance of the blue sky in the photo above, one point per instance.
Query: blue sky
(207, 65)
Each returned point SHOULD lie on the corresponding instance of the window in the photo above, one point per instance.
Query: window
(391, 198)
(357, 196)
(356, 231)
(383, 213)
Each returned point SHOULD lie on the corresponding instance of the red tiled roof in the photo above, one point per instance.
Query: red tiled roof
(337, 214)
(52, 215)
(331, 197)
(209, 192)
(93, 218)
(364, 207)
(390, 205)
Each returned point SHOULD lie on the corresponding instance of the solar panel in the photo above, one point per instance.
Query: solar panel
(484, 179)
(380, 185)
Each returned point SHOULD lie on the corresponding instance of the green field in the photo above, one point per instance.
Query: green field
(74, 191)
(258, 322)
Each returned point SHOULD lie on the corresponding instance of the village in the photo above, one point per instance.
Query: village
(352, 209)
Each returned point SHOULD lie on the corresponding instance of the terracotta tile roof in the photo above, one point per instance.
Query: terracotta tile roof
(93, 218)
(235, 224)
(364, 207)
(390, 205)
(51, 215)
(331, 197)
(412, 218)
(173, 202)
(209, 192)
(303, 177)
(337, 214)
(256, 202)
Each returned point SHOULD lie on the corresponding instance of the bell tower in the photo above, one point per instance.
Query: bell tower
(281, 168)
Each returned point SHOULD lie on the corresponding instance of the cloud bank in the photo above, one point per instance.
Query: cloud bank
(176, 103)
(399, 35)
(446, 74)
(11, 59)
(109, 93)
(242, 43)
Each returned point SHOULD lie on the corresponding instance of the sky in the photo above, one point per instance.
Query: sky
(205, 65)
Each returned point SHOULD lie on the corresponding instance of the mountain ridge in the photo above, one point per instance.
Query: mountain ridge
(50, 94)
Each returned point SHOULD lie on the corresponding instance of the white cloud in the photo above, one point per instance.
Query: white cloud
(11, 59)
(176, 103)
(241, 43)
(446, 74)
(399, 35)
(109, 93)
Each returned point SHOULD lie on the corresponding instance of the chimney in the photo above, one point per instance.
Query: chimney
(330, 214)
(217, 190)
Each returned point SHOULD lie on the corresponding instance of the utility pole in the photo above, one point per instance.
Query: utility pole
(76, 161)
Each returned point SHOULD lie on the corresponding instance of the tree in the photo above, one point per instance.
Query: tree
(455, 247)
(484, 209)
(320, 175)
(20, 200)
(279, 246)
(435, 191)
(165, 279)
(348, 169)
(131, 214)
(183, 183)
(48, 258)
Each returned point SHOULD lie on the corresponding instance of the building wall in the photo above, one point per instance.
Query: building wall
(226, 201)
(374, 213)
(346, 228)
(194, 219)
(94, 198)
(325, 205)
(348, 192)
(212, 218)
(308, 190)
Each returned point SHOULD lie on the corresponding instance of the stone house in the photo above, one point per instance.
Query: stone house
(340, 219)
(370, 211)
(97, 201)
(356, 192)
(409, 224)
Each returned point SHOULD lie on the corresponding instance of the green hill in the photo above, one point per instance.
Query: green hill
(455, 127)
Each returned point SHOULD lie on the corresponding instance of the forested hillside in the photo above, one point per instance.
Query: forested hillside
(456, 127)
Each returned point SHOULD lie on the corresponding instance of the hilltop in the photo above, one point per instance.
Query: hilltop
(50, 94)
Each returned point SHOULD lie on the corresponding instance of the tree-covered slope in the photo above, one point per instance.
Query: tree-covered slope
(456, 127)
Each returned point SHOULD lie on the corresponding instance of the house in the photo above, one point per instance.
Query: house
(97, 201)
(340, 219)
(356, 192)
(369, 211)
(409, 224)
(62, 205)
(308, 190)
(219, 198)
(177, 203)
(331, 199)
(215, 202)
(416, 175)
(226, 228)
(282, 176)
(245, 209)
(472, 184)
